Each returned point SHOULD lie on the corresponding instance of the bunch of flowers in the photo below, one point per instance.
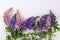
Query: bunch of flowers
(41, 26)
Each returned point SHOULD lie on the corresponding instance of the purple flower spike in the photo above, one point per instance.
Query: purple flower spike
(46, 21)
(31, 22)
(52, 18)
(12, 22)
(42, 22)
(25, 23)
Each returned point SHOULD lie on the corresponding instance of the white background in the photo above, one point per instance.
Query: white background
(29, 8)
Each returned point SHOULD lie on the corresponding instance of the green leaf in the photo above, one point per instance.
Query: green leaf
(42, 35)
(55, 24)
(24, 37)
(17, 34)
(8, 37)
(8, 29)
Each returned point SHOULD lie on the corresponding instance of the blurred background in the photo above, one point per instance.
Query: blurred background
(29, 8)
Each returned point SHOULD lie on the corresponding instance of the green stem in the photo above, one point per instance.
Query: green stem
(40, 36)
(15, 39)
(35, 34)
(32, 36)
(50, 35)
(24, 36)
(46, 36)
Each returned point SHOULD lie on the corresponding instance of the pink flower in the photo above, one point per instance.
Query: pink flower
(18, 19)
(6, 16)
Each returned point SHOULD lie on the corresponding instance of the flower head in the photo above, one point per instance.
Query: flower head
(46, 21)
(26, 23)
(31, 22)
(18, 19)
(52, 17)
(12, 22)
(42, 22)
(7, 15)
